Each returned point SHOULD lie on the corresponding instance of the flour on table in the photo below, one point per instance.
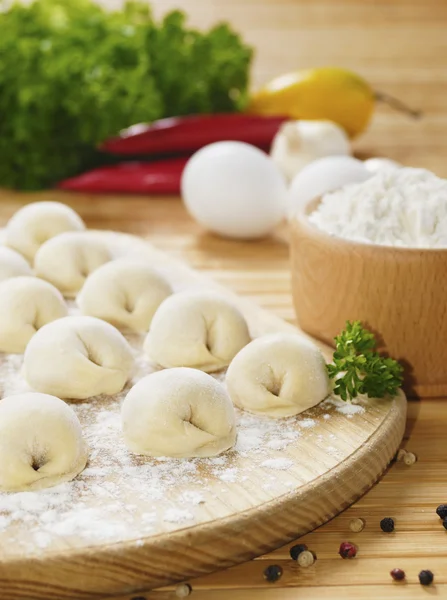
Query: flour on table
(193, 498)
(347, 408)
(123, 497)
(277, 463)
(177, 515)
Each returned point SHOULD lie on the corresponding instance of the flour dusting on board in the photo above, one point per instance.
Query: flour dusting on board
(120, 496)
(346, 408)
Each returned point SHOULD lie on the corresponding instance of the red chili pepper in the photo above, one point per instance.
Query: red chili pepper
(160, 177)
(188, 134)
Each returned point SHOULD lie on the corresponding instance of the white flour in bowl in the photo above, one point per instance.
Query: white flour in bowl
(403, 207)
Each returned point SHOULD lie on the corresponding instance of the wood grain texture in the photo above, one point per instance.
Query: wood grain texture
(330, 466)
(408, 494)
(395, 291)
(400, 46)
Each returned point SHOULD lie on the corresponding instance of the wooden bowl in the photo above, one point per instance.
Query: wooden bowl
(399, 293)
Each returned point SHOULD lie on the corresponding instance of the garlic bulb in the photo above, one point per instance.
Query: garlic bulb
(374, 165)
(299, 143)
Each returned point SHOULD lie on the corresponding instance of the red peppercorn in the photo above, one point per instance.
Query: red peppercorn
(347, 550)
(397, 574)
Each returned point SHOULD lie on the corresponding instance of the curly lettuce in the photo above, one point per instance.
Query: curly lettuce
(73, 74)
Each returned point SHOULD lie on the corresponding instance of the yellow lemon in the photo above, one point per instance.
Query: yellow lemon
(328, 93)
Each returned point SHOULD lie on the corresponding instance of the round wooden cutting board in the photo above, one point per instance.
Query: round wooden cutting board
(128, 524)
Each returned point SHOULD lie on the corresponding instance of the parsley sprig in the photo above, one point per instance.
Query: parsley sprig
(358, 369)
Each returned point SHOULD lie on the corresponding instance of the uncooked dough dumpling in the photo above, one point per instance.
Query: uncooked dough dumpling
(78, 357)
(41, 443)
(196, 329)
(125, 293)
(68, 259)
(278, 375)
(36, 223)
(12, 264)
(178, 412)
(26, 305)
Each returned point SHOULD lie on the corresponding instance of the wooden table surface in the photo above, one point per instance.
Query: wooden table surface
(260, 270)
(401, 47)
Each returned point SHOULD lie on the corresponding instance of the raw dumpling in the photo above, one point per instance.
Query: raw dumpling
(196, 329)
(180, 413)
(78, 357)
(12, 264)
(68, 259)
(36, 223)
(41, 443)
(278, 375)
(125, 293)
(26, 305)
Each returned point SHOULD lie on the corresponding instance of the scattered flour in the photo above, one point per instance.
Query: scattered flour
(229, 475)
(278, 444)
(350, 409)
(120, 496)
(280, 464)
(177, 515)
(346, 408)
(192, 497)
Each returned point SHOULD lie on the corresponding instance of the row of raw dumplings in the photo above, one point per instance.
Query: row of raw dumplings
(180, 412)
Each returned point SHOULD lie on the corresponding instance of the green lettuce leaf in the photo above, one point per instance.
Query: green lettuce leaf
(73, 74)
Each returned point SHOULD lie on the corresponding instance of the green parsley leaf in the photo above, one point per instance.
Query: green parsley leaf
(73, 73)
(358, 369)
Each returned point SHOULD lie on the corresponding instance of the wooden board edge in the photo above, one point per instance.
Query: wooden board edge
(209, 547)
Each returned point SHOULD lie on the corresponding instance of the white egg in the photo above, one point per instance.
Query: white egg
(374, 165)
(234, 189)
(325, 175)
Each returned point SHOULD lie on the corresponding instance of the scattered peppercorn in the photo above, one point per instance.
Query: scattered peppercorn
(387, 524)
(397, 574)
(347, 550)
(296, 550)
(409, 458)
(272, 573)
(183, 590)
(306, 558)
(356, 525)
(441, 511)
(444, 522)
(426, 577)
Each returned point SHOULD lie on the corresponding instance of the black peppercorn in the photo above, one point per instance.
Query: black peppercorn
(426, 577)
(442, 511)
(387, 524)
(397, 574)
(444, 522)
(272, 573)
(296, 550)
